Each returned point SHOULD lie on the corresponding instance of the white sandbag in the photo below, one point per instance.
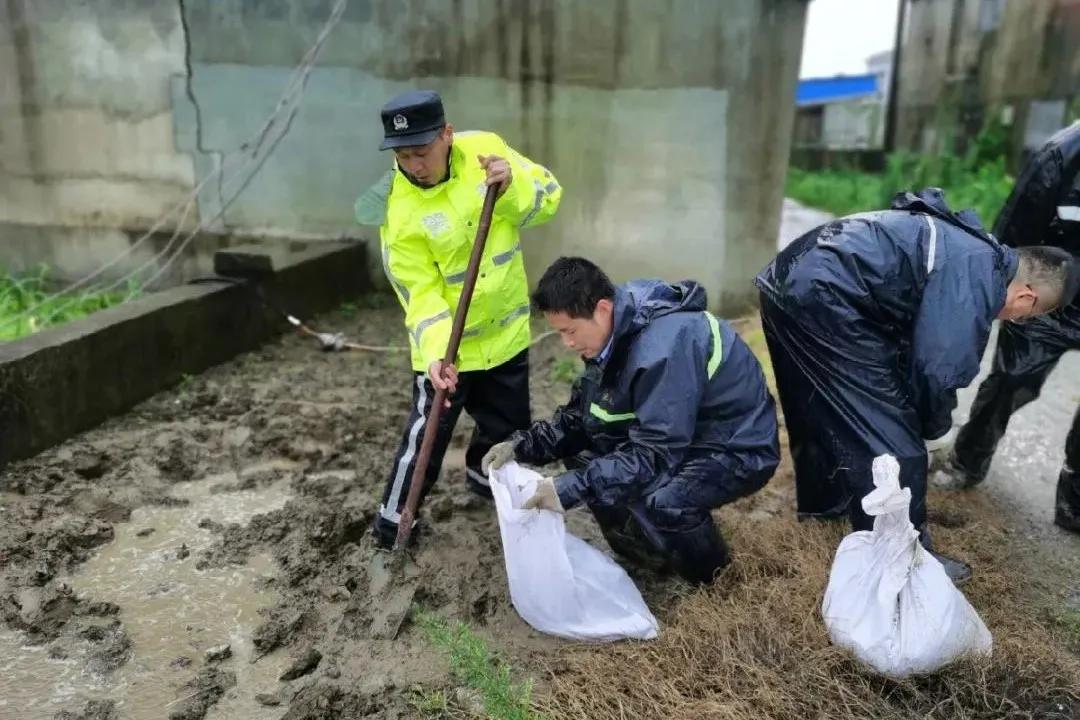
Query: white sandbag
(889, 601)
(559, 584)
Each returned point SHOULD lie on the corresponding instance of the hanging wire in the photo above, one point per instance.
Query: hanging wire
(291, 95)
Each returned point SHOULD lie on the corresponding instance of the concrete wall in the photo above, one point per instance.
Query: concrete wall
(86, 120)
(966, 61)
(64, 380)
(86, 129)
(667, 121)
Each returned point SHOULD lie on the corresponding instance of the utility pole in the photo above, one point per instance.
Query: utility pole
(894, 78)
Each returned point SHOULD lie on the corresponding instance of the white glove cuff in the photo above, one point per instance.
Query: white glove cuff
(942, 442)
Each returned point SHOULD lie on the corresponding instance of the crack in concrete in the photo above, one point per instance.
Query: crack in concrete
(190, 91)
(26, 71)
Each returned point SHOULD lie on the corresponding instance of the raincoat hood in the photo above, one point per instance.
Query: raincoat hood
(931, 201)
(640, 302)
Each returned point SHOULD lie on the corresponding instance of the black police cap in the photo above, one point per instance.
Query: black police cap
(412, 118)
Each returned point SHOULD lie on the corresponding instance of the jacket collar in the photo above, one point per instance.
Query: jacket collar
(456, 159)
(622, 325)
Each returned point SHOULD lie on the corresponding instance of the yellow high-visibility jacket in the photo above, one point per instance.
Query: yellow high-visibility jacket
(427, 235)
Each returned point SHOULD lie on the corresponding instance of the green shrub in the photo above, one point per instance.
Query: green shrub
(978, 180)
(20, 293)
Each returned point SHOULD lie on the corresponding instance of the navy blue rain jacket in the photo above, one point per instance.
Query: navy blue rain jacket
(917, 282)
(1044, 209)
(677, 383)
(1044, 206)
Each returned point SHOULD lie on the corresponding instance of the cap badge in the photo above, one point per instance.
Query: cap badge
(400, 122)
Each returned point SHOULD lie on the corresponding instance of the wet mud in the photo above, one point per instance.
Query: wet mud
(235, 510)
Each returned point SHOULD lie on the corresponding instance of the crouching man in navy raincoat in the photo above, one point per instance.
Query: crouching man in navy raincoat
(671, 418)
(873, 322)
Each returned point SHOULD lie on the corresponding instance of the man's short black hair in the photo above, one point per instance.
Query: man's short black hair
(574, 286)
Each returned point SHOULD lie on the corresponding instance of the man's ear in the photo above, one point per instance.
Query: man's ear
(605, 306)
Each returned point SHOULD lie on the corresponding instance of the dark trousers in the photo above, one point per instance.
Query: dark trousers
(1024, 357)
(497, 399)
(845, 403)
(671, 527)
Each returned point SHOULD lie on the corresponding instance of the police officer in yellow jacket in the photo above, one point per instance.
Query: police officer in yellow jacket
(432, 199)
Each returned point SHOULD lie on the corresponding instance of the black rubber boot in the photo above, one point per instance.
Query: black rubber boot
(628, 540)
(384, 533)
(698, 554)
(480, 489)
(957, 570)
(959, 476)
(1067, 501)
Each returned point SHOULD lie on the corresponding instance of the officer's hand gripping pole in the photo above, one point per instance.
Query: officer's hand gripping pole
(431, 427)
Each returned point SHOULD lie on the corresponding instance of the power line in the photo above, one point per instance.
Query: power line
(303, 79)
(292, 94)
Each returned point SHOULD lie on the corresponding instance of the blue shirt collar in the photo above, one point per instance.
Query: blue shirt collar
(607, 348)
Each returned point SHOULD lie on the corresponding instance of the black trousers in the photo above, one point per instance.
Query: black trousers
(672, 528)
(497, 399)
(1025, 356)
(844, 405)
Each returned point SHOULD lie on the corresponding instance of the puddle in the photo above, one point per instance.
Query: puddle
(169, 610)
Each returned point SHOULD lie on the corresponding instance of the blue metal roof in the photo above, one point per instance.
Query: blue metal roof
(815, 91)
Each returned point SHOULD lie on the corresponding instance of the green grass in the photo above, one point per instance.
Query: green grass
(1069, 621)
(976, 180)
(567, 369)
(473, 664)
(982, 187)
(19, 293)
(432, 703)
(348, 310)
(841, 192)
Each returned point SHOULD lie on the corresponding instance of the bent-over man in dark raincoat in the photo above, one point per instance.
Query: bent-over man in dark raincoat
(671, 418)
(873, 322)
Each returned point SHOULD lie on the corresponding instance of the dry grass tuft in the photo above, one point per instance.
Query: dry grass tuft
(754, 646)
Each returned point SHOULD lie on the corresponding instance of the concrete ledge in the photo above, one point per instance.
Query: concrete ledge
(65, 380)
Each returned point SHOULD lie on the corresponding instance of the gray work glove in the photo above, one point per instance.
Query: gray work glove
(545, 497)
(497, 456)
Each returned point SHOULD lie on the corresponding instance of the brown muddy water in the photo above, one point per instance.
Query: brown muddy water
(173, 613)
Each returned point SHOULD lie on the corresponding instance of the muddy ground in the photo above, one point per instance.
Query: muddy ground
(322, 428)
(317, 431)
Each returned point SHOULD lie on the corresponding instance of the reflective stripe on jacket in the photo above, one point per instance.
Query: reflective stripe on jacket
(426, 237)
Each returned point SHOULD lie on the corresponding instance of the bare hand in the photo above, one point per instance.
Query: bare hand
(498, 171)
(444, 378)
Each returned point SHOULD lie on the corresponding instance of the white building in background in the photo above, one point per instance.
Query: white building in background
(844, 112)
